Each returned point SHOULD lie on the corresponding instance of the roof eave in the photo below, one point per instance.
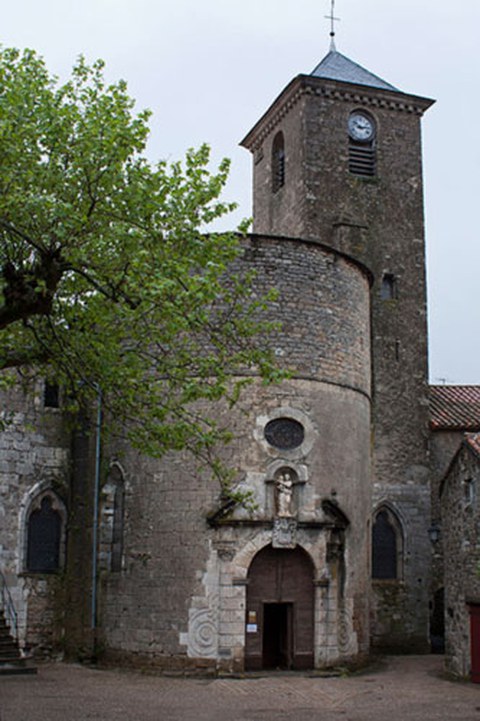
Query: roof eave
(361, 94)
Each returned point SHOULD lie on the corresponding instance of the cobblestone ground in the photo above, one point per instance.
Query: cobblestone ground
(403, 689)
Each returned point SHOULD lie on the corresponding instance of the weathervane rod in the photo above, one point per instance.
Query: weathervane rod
(333, 20)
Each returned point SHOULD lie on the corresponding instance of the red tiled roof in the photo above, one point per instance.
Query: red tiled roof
(455, 408)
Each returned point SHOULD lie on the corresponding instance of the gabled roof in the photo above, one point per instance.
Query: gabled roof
(455, 408)
(470, 442)
(336, 66)
(473, 441)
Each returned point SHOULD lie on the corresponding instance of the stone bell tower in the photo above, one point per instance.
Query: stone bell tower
(337, 160)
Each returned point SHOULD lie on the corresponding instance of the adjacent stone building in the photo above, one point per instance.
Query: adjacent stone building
(336, 556)
(454, 447)
(461, 544)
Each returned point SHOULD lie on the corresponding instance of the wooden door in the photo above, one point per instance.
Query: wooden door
(280, 601)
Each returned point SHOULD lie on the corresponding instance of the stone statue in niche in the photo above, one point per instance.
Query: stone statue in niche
(284, 494)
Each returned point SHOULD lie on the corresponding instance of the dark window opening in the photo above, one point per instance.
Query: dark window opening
(51, 395)
(397, 350)
(437, 622)
(468, 491)
(277, 636)
(44, 538)
(278, 162)
(388, 290)
(385, 547)
(284, 433)
(118, 519)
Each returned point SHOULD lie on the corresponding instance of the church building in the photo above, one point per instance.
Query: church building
(335, 559)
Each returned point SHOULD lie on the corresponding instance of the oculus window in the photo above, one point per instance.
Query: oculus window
(284, 433)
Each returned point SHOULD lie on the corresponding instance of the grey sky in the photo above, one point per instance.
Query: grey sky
(209, 69)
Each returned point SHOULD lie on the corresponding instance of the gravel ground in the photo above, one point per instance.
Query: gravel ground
(402, 688)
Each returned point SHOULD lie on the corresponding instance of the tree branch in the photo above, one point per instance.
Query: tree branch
(11, 229)
(24, 357)
(30, 291)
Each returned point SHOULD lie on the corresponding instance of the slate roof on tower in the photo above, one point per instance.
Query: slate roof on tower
(336, 66)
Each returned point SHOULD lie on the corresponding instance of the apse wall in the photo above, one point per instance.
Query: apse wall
(181, 596)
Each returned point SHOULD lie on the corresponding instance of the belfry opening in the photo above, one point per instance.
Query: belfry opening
(280, 610)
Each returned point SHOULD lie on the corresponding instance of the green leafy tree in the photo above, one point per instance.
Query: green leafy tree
(108, 278)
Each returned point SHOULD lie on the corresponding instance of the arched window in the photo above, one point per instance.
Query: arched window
(278, 162)
(387, 546)
(362, 158)
(388, 290)
(111, 520)
(45, 531)
(118, 512)
(51, 395)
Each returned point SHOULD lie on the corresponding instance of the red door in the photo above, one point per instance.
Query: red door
(475, 641)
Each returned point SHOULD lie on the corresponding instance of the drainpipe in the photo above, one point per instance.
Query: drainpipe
(96, 493)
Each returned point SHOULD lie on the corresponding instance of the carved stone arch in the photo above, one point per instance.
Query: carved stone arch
(42, 525)
(300, 469)
(388, 540)
(243, 558)
(116, 472)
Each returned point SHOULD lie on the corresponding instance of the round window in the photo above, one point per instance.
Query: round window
(284, 433)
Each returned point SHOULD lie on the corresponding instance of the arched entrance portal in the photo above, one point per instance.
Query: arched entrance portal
(280, 597)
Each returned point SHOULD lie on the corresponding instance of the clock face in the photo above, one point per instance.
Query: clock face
(360, 127)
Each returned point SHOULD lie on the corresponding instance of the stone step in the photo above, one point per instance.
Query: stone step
(7, 643)
(11, 662)
(8, 653)
(21, 667)
(6, 639)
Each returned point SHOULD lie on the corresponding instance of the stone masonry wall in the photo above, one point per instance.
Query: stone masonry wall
(443, 447)
(460, 500)
(179, 600)
(34, 455)
(322, 306)
(379, 221)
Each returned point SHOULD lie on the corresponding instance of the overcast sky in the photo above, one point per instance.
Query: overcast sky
(209, 69)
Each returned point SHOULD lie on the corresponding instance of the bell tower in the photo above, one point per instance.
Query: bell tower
(337, 161)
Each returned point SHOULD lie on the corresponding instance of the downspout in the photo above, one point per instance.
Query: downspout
(96, 493)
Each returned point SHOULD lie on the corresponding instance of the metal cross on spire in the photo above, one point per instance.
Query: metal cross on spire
(333, 20)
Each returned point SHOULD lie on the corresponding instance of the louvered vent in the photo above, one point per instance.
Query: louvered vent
(278, 162)
(362, 160)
